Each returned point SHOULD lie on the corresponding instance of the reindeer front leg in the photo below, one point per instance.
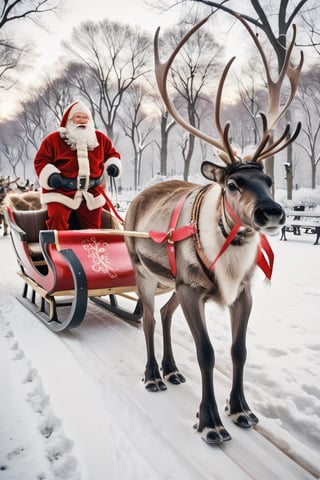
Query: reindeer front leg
(238, 408)
(210, 424)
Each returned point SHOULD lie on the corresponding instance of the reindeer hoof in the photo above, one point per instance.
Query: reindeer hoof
(175, 377)
(244, 419)
(215, 436)
(155, 385)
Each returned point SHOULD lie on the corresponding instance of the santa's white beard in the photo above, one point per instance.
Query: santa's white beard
(81, 134)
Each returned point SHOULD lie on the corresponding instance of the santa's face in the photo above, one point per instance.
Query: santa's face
(81, 130)
(80, 119)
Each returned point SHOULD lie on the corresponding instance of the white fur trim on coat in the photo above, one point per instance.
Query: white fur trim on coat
(45, 173)
(114, 161)
(74, 203)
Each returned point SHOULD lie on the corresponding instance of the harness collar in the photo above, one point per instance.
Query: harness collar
(240, 237)
(225, 227)
(231, 237)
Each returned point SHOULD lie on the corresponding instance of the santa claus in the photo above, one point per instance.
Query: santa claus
(70, 165)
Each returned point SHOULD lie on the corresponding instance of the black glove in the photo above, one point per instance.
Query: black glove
(55, 180)
(113, 170)
(58, 181)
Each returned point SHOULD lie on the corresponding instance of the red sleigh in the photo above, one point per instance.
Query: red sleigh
(62, 269)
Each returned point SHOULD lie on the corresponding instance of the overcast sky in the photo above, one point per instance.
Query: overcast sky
(126, 11)
(46, 45)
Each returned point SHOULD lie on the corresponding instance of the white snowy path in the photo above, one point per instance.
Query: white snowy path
(73, 405)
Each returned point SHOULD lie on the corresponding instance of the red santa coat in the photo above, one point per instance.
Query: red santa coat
(56, 156)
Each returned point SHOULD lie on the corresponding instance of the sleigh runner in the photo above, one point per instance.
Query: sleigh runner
(62, 269)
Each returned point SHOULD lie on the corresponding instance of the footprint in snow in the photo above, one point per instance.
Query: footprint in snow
(275, 352)
(57, 447)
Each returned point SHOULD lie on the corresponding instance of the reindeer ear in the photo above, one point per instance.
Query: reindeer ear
(213, 172)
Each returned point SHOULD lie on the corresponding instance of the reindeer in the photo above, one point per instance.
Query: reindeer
(24, 201)
(211, 245)
(4, 189)
(19, 199)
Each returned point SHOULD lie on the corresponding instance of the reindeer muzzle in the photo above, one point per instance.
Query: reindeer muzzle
(269, 216)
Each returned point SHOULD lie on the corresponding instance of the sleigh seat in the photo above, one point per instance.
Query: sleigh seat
(28, 224)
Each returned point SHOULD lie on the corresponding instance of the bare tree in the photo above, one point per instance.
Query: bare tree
(252, 97)
(29, 127)
(309, 101)
(11, 12)
(137, 127)
(312, 29)
(166, 126)
(10, 56)
(12, 148)
(116, 55)
(190, 76)
(34, 122)
(56, 95)
(40, 114)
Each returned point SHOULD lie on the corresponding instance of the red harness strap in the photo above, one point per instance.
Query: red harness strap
(174, 235)
(226, 244)
(109, 204)
(265, 256)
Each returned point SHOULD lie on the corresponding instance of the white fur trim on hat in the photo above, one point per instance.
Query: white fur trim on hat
(79, 107)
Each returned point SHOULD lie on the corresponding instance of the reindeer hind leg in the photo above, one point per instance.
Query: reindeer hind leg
(147, 286)
(169, 368)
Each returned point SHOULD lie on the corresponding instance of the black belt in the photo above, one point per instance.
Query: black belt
(72, 183)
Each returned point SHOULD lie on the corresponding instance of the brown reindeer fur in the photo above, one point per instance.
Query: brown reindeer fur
(23, 201)
(19, 201)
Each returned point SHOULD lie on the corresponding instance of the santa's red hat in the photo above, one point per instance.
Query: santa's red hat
(75, 107)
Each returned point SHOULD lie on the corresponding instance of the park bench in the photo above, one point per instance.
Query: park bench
(297, 220)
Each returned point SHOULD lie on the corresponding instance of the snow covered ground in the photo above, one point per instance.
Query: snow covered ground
(73, 406)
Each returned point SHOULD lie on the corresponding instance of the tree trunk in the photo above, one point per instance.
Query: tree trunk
(313, 175)
(188, 157)
(289, 172)
(269, 169)
(164, 146)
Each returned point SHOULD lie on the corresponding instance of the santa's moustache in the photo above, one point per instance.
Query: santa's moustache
(82, 133)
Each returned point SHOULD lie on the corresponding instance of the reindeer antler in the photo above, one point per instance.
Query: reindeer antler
(264, 148)
(161, 72)
(7, 180)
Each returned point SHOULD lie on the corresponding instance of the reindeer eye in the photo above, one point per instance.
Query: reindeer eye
(232, 187)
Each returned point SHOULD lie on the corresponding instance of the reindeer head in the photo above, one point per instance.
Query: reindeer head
(5, 186)
(245, 186)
